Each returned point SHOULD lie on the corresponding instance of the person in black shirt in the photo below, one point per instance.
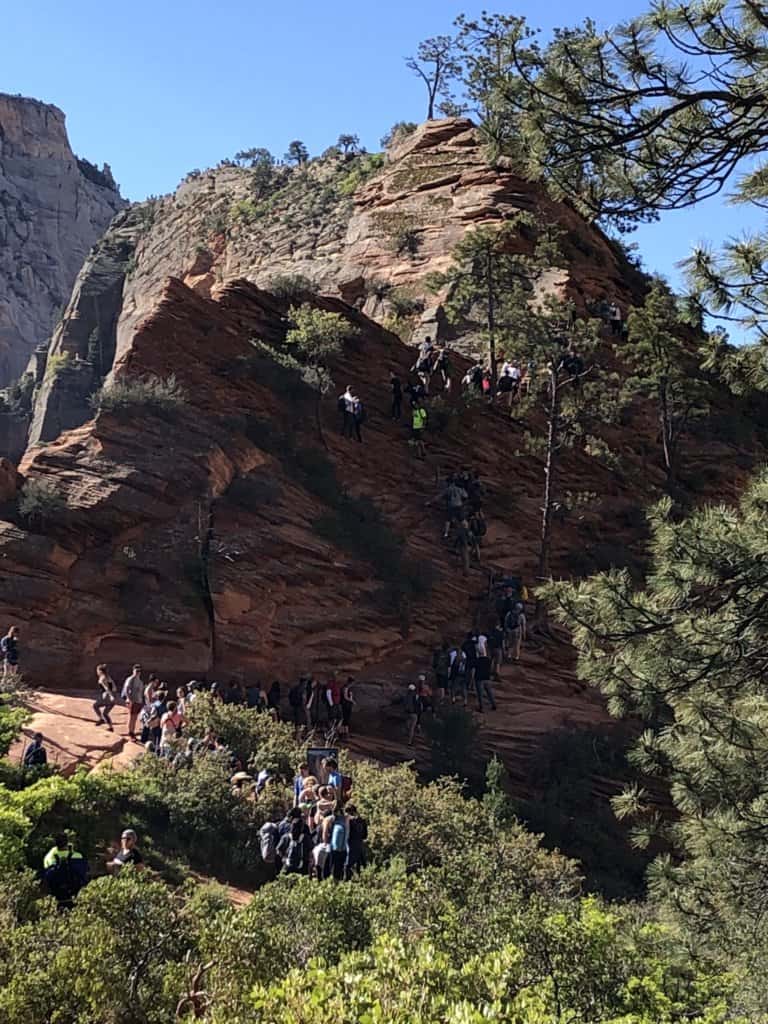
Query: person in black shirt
(397, 396)
(469, 647)
(35, 755)
(127, 854)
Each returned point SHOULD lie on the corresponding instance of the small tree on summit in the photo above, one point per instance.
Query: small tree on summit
(297, 153)
(348, 144)
(436, 65)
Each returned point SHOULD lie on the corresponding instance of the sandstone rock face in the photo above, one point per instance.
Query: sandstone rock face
(435, 186)
(52, 210)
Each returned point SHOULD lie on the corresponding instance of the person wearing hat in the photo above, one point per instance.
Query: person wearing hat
(127, 854)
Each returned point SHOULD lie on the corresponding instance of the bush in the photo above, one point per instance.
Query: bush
(452, 735)
(40, 501)
(397, 133)
(404, 305)
(160, 394)
(291, 286)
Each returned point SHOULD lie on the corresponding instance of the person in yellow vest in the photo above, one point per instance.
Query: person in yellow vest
(419, 424)
(65, 870)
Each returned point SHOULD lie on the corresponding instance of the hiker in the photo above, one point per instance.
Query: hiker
(333, 699)
(358, 418)
(133, 694)
(423, 368)
(298, 783)
(347, 704)
(496, 650)
(170, 727)
(412, 712)
(127, 854)
(65, 871)
(469, 648)
(457, 679)
(473, 485)
(9, 647)
(105, 697)
(150, 690)
(346, 404)
(151, 720)
(509, 382)
(334, 776)
(415, 392)
(419, 423)
(615, 319)
(268, 841)
(515, 628)
(465, 544)
(442, 366)
(425, 348)
(273, 700)
(483, 675)
(293, 849)
(478, 529)
(397, 396)
(35, 756)
(357, 834)
(296, 697)
(454, 497)
(441, 666)
(315, 704)
(338, 840)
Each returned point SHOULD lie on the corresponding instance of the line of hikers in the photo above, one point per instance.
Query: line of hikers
(462, 498)
(460, 670)
(156, 717)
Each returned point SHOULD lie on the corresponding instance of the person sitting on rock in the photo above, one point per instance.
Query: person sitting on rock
(35, 756)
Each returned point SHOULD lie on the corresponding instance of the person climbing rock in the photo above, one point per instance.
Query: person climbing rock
(358, 418)
(419, 425)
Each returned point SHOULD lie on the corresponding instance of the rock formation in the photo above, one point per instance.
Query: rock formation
(53, 207)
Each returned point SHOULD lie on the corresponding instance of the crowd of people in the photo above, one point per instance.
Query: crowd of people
(322, 835)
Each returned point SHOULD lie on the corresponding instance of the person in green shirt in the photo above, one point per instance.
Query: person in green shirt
(419, 424)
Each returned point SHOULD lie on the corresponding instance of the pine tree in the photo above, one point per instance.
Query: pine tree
(663, 365)
(686, 655)
(436, 65)
(297, 153)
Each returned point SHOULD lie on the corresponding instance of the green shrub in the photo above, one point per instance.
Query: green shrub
(404, 305)
(160, 394)
(40, 501)
(57, 364)
(291, 286)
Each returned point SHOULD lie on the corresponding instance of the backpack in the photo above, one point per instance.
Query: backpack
(358, 830)
(441, 663)
(512, 619)
(268, 842)
(338, 837)
(294, 858)
(360, 414)
(67, 877)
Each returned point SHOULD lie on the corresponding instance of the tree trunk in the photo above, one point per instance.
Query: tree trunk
(319, 421)
(491, 321)
(666, 432)
(550, 468)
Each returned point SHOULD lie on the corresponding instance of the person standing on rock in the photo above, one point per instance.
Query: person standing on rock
(9, 646)
(105, 697)
(347, 407)
(397, 395)
(133, 695)
(358, 417)
(419, 423)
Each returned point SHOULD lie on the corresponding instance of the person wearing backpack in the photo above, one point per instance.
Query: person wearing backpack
(292, 849)
(268, 840)
(9, 648)
(514, 628)
(65, 871)
(357, 834)
(345, 404)
(338, 841)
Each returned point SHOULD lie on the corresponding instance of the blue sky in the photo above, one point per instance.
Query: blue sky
(156, 89)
